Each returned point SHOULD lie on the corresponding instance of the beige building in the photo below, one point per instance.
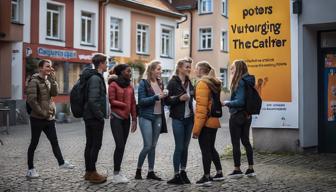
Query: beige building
(138, 31)
(203, 33)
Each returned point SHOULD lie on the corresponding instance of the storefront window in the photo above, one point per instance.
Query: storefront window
(67, 75)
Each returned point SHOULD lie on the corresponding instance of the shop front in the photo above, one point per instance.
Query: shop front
(68, 64)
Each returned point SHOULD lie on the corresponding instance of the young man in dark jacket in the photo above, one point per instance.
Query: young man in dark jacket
(41, 88)
(95, 111)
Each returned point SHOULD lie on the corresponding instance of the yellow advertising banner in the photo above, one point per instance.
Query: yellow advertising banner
(259, 33)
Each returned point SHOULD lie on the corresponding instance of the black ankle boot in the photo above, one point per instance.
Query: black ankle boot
(151, 175)
(184, 177)
(138, 174)
(177, 180)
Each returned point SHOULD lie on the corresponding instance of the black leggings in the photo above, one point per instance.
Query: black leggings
(120, 130)
(48, 127)
(206, 141)
(240, 130)
(94, 135)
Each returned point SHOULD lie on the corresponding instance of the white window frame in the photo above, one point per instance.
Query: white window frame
(225, 8)
(166, 42)
(16, 17)
(224, 41)
(60, 21)
(225, 78)
(203, 4)
(113, 23)
(142, 32)
(206, 36)
(185, 39)
(86, 20)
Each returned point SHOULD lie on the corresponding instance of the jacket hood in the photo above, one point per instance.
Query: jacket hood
(87, 73)
(36, 76)
(249, 79)
(112, 78)
(213, 83)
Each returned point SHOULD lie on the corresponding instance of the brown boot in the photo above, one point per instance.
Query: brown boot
(87, 175)
(96, 178)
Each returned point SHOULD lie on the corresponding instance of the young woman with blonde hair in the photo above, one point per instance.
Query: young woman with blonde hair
(180, 99)
(205, 126)
(152, 119)
(240, 120)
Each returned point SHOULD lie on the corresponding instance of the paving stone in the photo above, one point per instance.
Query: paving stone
(275, 172)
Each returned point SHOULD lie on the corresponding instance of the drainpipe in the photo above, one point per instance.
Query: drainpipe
(191, 33)
(101, 29)
(184, 20)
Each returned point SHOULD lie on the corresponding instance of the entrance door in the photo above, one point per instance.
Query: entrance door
(327, 101)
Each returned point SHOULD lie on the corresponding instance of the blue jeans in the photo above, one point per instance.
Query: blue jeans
(182, 133)
(150, 131)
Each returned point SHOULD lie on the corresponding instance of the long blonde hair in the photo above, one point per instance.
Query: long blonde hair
(206, 68)
(181, 62)
(151, 66)
(241, 69)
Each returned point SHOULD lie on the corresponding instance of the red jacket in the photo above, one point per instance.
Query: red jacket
(122, 101)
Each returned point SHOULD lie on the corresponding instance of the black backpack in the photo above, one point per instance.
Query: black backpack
(78, 96)
(216, 106)
(253, 100)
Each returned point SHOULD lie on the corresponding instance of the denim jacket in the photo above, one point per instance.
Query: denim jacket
(237, 101)
(146, 103)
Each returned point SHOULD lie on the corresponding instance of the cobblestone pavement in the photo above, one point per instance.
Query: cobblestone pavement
(300, 172)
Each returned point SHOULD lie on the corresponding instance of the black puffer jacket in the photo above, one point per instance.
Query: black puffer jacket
(176, 89)
(95, 107)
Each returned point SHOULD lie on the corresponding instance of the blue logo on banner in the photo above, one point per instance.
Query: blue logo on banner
(55, 53)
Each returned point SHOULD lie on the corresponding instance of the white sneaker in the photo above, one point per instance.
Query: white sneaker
(67, 165)
(119, 178)
(32, 173)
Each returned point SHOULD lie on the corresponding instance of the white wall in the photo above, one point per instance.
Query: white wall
(124, 15)
(17, 49)
(90, 7)
(26, 20)
(166, 63)
(43, 24)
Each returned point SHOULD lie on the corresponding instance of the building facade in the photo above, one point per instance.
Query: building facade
(141, 31)
(69, 32)
(203, 33)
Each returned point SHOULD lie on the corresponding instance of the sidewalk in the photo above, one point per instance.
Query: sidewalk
(308, 172)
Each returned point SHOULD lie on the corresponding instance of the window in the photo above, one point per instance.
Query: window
(185, 39)
(115, 35)
(87, 28)
(142, 39)
(224, 41)
(166, 42)
(53, 21)
(15, 10)
(223, 77)
(224, 7)
(205, 6)
(67, 75)
(205, 38)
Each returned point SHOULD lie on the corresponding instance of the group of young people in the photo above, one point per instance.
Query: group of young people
(180, 94)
